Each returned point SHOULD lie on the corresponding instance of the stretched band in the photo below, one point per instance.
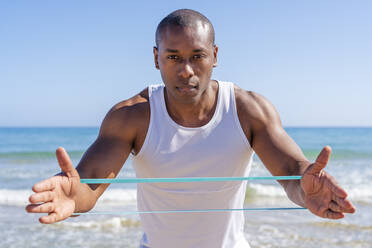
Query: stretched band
(182, 179)
(185, 211)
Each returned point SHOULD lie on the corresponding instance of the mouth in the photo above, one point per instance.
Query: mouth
(186, 88)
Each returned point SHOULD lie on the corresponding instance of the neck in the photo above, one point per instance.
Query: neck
(196, 113)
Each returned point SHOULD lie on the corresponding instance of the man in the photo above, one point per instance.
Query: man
(191, 126)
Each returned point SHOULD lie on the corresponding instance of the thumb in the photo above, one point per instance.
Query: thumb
(65, 164)
(321, 161)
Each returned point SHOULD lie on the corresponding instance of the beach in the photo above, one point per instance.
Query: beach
(27, 155)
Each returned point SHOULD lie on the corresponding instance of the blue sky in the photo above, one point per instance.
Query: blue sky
(65, 63)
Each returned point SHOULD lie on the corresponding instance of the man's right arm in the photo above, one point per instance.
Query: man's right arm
(63, 194)
(106, 156)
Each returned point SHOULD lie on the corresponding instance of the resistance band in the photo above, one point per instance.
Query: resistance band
(179, 180)
(183, 179)
(184, 211)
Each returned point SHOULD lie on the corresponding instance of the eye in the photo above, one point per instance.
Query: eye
(198, 56)
(173, 57)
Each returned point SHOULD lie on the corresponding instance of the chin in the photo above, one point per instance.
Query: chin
(191, 96)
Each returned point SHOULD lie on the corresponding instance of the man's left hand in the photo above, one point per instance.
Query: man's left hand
(323, 196)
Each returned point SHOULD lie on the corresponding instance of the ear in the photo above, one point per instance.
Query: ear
(215, 52)
(155, 51)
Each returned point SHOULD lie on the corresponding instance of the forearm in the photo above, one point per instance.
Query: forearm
(83, 195)
(103, 159)
(85, 198)
(293, 188)
(295, 193)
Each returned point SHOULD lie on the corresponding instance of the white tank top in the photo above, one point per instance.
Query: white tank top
(217, 149)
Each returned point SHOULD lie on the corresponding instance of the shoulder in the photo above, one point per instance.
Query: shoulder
(132, 107)
(254, 110)
(127, 117)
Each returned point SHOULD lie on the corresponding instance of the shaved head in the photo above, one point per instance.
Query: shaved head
(183, 18)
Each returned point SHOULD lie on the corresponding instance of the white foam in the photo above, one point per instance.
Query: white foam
(119, 196)
(268, 190)
(14, 197)
(20, 197)
(361, 192)
(115, 223)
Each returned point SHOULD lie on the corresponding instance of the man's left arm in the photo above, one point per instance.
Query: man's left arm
(317, 190)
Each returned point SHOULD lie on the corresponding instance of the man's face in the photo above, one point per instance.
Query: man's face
(185, 58)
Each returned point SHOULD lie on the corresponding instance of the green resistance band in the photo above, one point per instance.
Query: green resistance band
(184, 179)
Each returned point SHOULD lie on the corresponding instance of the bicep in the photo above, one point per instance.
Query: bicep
(279, 153)
(276, 149)
(106, 156)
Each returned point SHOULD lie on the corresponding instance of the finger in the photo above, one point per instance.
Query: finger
(345, 204)
(42, 197)
(335, 207)
(45, 185)
(321, 161)
(333, 215)
(49, 219)
(52, 218)
(336, 189)
(41, 208)
(64, 162)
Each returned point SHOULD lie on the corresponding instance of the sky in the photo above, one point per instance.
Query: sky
(66, 63)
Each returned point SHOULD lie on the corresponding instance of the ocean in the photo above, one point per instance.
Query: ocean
(27, 155)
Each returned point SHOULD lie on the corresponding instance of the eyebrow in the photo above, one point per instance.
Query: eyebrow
(198, 50)
(172, 50)
(176, 51)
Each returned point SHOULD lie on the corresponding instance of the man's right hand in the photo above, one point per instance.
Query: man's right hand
(55, 195)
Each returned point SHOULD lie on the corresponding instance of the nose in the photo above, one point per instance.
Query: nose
(186, 70)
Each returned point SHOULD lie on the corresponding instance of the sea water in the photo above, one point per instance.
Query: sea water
(27, 155)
